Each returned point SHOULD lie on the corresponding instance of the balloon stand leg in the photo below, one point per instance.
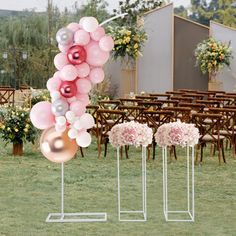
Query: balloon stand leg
(63, 217)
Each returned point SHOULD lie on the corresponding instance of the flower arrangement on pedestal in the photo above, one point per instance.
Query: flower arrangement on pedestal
(130, 133)
(128, 41)
(177, 133)
(16, 128)
(212, 56)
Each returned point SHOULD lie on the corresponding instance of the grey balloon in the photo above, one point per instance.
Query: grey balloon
(64, 36)
(60, 107)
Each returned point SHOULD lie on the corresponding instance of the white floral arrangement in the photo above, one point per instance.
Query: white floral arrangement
(130, 133)
(177, 133)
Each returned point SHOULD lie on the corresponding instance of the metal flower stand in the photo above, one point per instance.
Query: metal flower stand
(63, 217)
(143, 211)
(185, 215)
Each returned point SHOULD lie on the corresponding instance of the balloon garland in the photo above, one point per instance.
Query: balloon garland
(84, 49)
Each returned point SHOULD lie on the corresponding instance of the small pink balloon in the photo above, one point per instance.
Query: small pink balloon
(53, 84)
(60, 60)
(81, 21)
(98, 33)
(78, 108)
(83, 139)
(41, 115)
(83, 86)
(83, 69)
(106, 43)
(84, 98)
(64, 48)
(73, 26)
(69, 73)
(81, 37)
(96, 75)
(56, 75)
(95, 55)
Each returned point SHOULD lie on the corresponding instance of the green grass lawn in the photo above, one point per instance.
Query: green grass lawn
(30, 189)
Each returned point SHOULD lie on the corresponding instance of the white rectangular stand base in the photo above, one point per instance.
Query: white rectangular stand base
(76, 217)
(142, 214)
(183, 216)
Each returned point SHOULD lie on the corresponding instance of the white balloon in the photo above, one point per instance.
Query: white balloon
(90, 24)
(61, 120)
(55, 95)
(84, 139)
(73, 133)
(87, 121)
(77, 125)
(60, 128)
(70, 116)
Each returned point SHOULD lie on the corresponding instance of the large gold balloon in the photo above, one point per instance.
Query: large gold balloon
(57, 147)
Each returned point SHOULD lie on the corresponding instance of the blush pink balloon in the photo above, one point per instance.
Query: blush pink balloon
(83, 86)
(69, 73)
(83, 139)
(81, 21)
(53, 84)
(78, 108)
(73, 26)
(95, 55)
(90, 24)
(64, 48)
(98, 33)
(60, 60)
(96, 75)
(41, 115)
(83, 69)
(84, 98)
(106, 43)
(81, 37)
(56, 75)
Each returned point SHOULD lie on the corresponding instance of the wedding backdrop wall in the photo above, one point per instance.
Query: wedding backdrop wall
(225, 34)
(155, 67)
(187, 34)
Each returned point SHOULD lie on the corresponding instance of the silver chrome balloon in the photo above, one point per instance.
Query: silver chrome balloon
(64, 36)
(60, 107)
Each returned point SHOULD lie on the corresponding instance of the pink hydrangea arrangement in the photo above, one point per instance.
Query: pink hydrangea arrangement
(130, 133)
(177, 133)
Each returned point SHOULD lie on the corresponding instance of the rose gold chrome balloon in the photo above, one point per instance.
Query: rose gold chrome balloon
(57, 147)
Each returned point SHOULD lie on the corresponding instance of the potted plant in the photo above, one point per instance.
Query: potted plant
(16, 128)
(212, 56)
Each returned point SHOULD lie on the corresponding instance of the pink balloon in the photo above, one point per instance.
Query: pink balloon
(83, 69)
(81, 21)
(84, 98)
(78, 108)
(53, 84)
(64, 48)
(83, 86)
(106, 43)
(57, 75)
(41, 115)
(81, 37)
(97, 75)
(98, 33)
(73, 26)
(87, 121)
(83, 139)
(96, 56)
(69, 73)
(60, 60)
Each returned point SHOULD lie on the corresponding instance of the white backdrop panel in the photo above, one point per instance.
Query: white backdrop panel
(155, 67)
(225, 34)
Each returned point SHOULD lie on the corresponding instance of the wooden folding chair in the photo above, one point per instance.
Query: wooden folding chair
(7, 96)
(109, 104)
(132, 113)
(151, 105)
(154, 119)
(129, 101)
(180, 113)
(194, 106)
(106, 119)
(209, 132)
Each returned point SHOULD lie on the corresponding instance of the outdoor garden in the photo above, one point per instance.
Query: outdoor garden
(72, 144)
